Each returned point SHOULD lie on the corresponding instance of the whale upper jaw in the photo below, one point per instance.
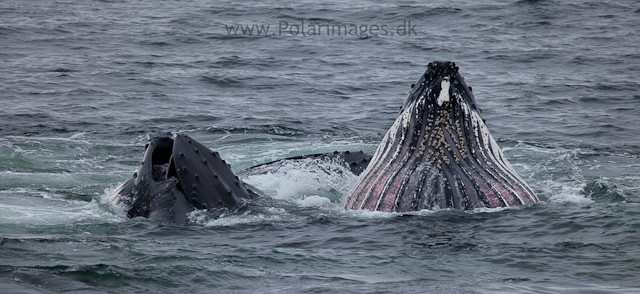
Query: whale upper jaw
(439, 84)
(178, 176)
(438, 154)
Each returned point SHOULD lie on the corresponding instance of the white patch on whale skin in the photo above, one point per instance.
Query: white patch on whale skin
(444, 92)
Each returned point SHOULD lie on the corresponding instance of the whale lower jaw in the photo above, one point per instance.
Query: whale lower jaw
(438, 154)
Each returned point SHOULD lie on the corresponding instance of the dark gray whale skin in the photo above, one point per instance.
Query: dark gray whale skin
(438, 154)
(148, 193)
(178, 176)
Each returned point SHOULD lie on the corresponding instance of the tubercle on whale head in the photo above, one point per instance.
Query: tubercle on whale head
(440, 83)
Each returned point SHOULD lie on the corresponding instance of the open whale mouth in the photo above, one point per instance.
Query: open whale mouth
(439, 154)
(177, 176)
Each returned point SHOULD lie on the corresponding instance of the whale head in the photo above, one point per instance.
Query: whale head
(438, 154)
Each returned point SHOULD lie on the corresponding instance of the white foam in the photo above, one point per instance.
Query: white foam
(202, 217)
(31, 207)
(567, 193)
(314, 201)
(300, 179)
(492, 210)
(78, 136)
(367, 214)
(105, 200)
(537, 164)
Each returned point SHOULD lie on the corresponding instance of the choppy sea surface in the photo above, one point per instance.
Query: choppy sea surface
(85, 84)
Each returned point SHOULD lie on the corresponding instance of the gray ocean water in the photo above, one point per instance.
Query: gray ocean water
(85, 84)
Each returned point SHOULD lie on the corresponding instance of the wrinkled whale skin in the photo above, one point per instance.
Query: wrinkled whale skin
(438, 154)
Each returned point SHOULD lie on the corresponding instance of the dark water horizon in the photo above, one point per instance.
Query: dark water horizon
(86, 84)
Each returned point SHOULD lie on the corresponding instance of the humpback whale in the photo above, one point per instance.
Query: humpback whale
(178, 176)
(438, 154)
